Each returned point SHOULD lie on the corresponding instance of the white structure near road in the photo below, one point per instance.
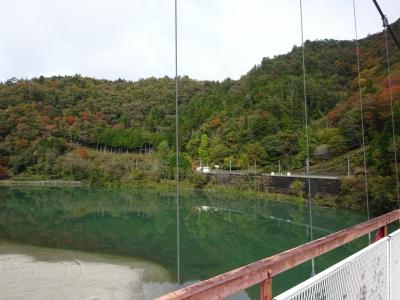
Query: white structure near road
(203, 169)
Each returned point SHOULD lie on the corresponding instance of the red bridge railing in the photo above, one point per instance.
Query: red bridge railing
(262, 271)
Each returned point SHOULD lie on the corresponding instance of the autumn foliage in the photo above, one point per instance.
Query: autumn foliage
(83, 153)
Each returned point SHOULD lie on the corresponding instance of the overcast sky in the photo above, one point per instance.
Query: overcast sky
(134, 39)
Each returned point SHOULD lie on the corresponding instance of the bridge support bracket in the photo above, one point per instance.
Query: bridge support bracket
(266, 288)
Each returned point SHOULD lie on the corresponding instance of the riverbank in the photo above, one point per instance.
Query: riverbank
(322, 201)
(59, 183)
(105, 170)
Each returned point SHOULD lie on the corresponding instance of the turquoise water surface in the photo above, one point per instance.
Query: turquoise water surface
(218, 231)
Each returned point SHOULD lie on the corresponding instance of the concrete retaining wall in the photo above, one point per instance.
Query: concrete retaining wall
(278, 184)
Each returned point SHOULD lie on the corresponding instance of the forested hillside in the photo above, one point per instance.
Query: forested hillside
(256, 120)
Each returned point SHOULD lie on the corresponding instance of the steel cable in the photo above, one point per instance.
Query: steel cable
(392, 117)
(307, 137)
(362, 117)
(177, 144)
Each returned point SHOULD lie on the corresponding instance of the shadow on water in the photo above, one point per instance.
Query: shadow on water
(218, 231)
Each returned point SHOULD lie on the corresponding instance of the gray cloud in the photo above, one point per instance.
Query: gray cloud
(134, 39)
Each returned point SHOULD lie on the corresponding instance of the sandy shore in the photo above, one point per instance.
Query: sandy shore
(40, 273)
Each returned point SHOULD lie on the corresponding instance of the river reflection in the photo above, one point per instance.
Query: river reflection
(218, 231)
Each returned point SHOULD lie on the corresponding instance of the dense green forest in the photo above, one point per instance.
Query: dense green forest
(53, 127)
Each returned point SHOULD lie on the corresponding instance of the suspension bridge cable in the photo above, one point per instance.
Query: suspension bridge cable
(362, 117)
(386, 23)
(177, 144)
(307, 137)
(392, 115)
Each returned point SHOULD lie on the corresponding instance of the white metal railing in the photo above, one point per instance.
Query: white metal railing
(394, 259)
(372, 273)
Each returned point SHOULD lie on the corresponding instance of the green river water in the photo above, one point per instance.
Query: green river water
(137, 228)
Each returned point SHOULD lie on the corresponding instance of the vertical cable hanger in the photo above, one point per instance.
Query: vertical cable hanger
(177, 145)
(307, 137)
(362, 117)
(392, 115)
(386, 26)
